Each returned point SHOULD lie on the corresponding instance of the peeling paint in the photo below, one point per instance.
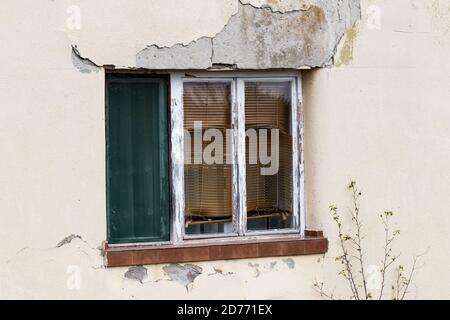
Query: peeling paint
(220, 272)
(272, 265)
(177, 157)
(289, 262)
(256, 267)
(137, 273)
(184, 275)
(68, 240)
(84, 65)
(262, 38)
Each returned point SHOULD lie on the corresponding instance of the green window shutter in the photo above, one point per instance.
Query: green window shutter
(137, 160)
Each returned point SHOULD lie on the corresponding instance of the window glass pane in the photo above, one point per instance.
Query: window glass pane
(137, 161)
(268, 155)
(208, 176)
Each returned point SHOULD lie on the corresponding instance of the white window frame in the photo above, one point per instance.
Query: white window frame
(237, 80)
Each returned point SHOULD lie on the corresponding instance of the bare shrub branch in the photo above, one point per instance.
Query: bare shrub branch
(352, 251)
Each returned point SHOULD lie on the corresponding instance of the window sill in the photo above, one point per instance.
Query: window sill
(217, 249)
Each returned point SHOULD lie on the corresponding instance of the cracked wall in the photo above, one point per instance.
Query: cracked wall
(381, 118)
(83, 65)
(136, 273)
(184, 274)
(258, 36)
(263, 38)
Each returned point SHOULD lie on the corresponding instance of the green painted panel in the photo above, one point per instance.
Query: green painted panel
(137, 160)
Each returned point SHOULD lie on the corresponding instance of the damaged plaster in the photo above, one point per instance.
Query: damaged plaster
(83, 65)
(136, 273)
(256, 267)
(289, 262)
(262, 38)
(279, 5)
(196, 55)
(73, 243)
(184, 275)
(68, 240)
(220, 272)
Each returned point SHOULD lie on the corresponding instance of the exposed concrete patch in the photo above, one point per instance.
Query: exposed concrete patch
(137, 273)
(184, 275)
(256, 267)
(272, 265)
(289, 262)
(258, 38)
(261, 38)
(196, 55)
(84, 65)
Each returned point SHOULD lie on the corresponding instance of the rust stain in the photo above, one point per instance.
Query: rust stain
(346, 53)
(310, 21)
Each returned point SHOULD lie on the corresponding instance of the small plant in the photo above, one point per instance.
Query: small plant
(352, 254)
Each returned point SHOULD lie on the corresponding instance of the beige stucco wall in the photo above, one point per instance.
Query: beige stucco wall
(382, 120)
(379, 117)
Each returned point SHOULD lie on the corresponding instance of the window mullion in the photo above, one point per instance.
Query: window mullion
(297, 157)
(239, 182)
(177, 157)
(301, 126)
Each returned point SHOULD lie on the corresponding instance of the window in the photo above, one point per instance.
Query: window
(207, 173)
(268, 127)
(224, 162)
(236, 155)
(137, 160)
(209, 155)
(215, 174)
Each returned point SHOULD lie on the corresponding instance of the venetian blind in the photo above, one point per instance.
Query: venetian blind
(207, 186)
(267, 106)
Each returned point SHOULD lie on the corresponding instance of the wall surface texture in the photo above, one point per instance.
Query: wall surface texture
(377, 111)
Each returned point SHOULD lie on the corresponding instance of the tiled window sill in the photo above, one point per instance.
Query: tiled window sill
(224, 249)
